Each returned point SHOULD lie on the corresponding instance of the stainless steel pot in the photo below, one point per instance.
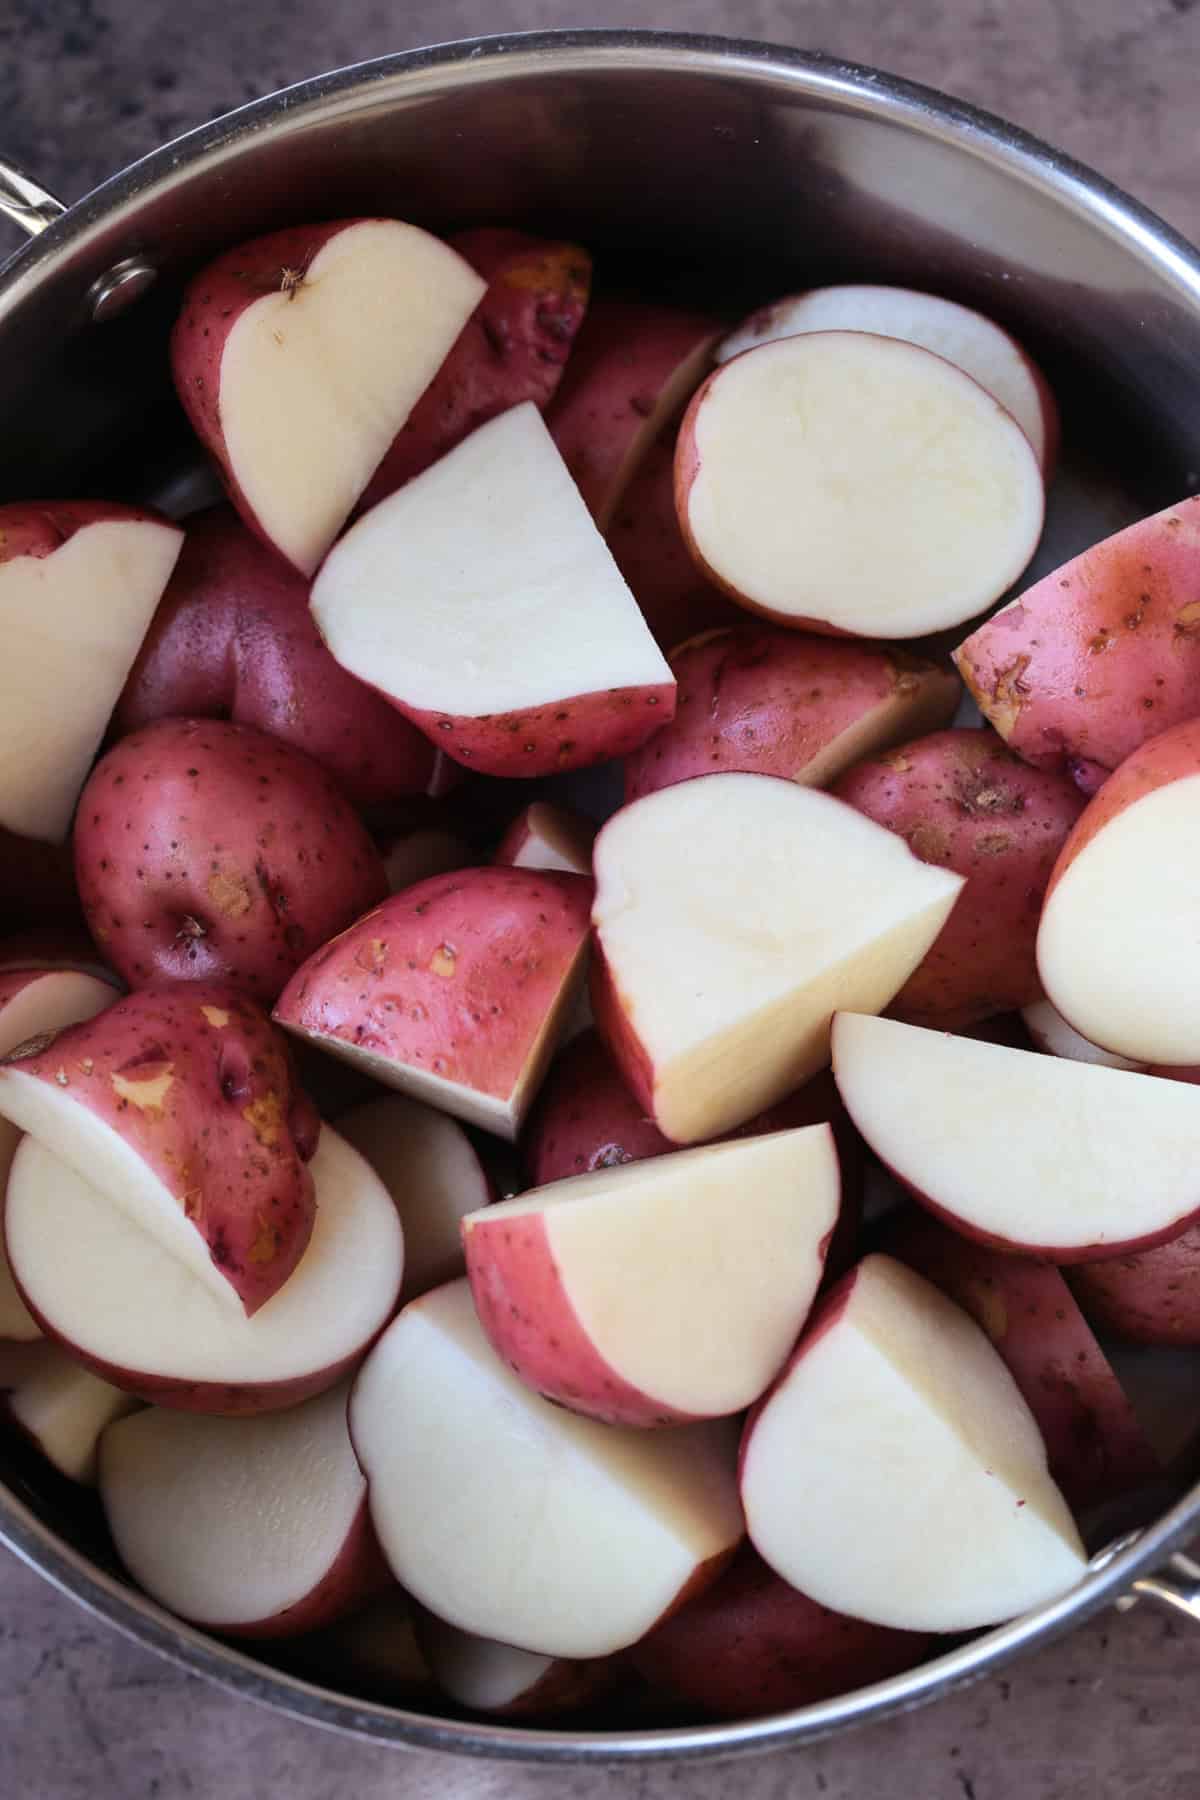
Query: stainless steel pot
(698, 165)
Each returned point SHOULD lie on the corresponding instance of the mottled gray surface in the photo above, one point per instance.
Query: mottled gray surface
(85, 85)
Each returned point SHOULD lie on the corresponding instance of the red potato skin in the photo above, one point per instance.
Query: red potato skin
(1095, 1446)
(209, 851)
(200, 1085)
(38, 528)
(751, 1644)
(963, 801)
(528, 1316)
(541, 829)
(233, 639)
(648, 548)
(626, 358)
(454, 976)
(54, 948)
(774, 702)
(585, 1118)
(573, 733)
(1100, 655)
(513, 348)
(1147, 1296)
(212, 304)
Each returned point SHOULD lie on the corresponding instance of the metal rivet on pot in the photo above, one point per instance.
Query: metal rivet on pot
(118, 287)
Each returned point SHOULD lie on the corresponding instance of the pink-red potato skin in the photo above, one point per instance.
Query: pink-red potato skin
(356, 1575)
(201, 1086)
(454, 976)
(962, 800)
(585, 1118)
(624, 358)
(233, 639)
(209, 851)
(1147, 1296)
(1095, 1446)
(38, 528)
(513, 348)
(751, 1644)
(767, 701)
(648, 548)
(572, 733)
(1099, 655)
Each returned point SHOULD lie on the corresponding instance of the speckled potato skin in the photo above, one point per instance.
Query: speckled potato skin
(751, 1644)
(208, 851)
(962, 800)
(1095, 1446)
(233, 639)
(767, 701)
(649, 550)
(1099, 655)
(454, 976)
(513, 348)
(568, 734)
(1147, 1297)
(625, 356)
(585, 1118)
(198, 1082)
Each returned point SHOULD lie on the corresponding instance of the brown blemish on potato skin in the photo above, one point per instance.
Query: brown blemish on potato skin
(230, 894)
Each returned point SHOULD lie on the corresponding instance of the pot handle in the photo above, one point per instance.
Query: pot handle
(22, 200)
(1175, 1587)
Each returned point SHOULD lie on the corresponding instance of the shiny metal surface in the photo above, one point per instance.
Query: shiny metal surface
(697, 165)
(26, 204)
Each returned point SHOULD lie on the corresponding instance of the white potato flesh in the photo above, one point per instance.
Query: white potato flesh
(65, 1409)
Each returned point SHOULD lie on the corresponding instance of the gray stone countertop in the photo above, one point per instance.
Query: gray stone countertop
(86, 85)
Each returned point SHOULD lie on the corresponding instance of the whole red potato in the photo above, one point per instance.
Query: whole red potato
(207, 851)
(233, 639)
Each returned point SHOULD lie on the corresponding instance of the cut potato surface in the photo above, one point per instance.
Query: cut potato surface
(964, 337)
(1051, 1033)
(1067, 1160)
(488, 1677)
(517, 1520)
(664, 1290)
(64, 1409)
(17, 1324)
(856, 484)
(734, 915)
(118, 1299)
(481, 592)
(244, 1525)
(318, 377)
(73, 622)
(895, 1473)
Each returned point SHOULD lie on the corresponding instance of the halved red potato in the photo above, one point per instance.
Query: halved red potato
(64, 1409)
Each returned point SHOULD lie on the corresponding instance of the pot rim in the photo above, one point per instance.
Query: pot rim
(974, 132)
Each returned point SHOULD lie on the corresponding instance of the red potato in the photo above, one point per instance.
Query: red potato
(892, 1376)
(300, 355)
(602, 1292)
(119, 1304)
(585, 1118)
(973, 342)
(233, 639)
(790, 902)
(453, 991)
(64, 1410)
(425, 850)
(750, 1644)
(254, 1528)
(649, 550)
(1117, 949)
(209, 851)
(55, 949)
(1099, 655)
(481, 600)
(1148, 1296)
(801, 447)
(17, 1324)
(79, 582)
(1095, 1446)
(548, 837)
(963, 801)
(774, 702)
(507, 1683)
(180, 1105)
(635, 367)
(513, 348)
(524, 1522)
(1068, 1161)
